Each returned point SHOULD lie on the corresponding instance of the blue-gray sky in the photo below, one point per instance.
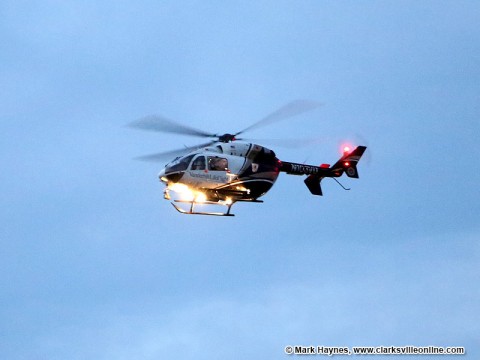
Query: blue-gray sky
(95, 264)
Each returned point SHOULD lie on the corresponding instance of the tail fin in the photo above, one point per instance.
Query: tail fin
(313, 184)
(347, 163)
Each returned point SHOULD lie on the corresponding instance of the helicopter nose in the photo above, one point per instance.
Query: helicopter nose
(169, 177)
(162, 177)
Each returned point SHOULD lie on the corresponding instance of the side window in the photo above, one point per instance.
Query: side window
(199, 163)
(217, 163)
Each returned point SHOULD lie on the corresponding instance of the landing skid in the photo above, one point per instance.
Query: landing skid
(192, 210)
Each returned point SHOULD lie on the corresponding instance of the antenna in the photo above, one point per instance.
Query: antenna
(338, 182)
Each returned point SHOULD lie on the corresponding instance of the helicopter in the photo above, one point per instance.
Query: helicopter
(227, 169)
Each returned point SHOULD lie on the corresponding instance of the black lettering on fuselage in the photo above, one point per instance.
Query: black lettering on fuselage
(304, 169)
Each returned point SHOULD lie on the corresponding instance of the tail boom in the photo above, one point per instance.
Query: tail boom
(346, 164)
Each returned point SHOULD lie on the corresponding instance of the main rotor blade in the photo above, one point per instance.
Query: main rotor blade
(168, 155)
(287, 143)
(162, 124)
(291, 109)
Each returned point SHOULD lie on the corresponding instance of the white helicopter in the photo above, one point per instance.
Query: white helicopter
(224, 171)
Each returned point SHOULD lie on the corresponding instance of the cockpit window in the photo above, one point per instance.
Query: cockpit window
(217, 163)
(199, 163)
(179, 164)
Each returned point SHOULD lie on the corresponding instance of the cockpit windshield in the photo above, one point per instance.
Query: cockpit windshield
(180, 164)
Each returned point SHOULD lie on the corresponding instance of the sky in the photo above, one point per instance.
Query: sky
(96, 264)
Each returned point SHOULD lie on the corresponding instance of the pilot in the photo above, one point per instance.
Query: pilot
(220, 164)
(199, 163)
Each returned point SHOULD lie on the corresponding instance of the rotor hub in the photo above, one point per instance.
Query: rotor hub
(226, 138)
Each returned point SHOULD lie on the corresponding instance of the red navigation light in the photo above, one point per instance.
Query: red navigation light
(346, 163)
(346, 149)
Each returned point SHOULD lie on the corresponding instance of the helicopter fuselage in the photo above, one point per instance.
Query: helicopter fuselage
(224, 171)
